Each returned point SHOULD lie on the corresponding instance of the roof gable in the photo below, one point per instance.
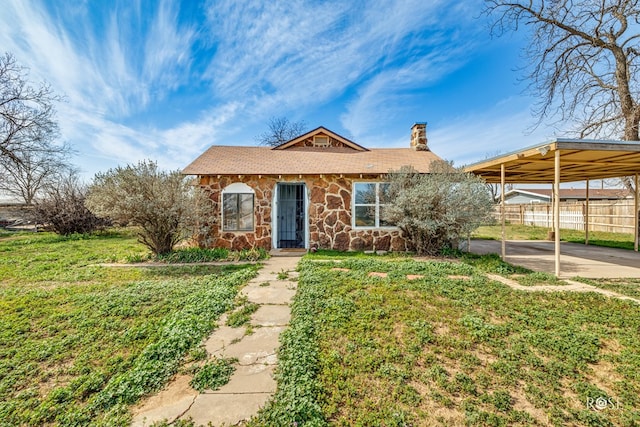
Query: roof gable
(312, 138)
(570, 193)
(531, 193)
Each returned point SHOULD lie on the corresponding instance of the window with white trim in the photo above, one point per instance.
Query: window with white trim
(369, 201)
(237, 208)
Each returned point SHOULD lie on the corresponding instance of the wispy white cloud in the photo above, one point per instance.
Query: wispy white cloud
(123, 64)
(173, 148)
(271, 49)
(107, 70)
(115, 72)
(289, 56)
(383, 98)
(168, 49)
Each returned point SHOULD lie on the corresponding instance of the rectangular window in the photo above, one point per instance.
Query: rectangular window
(370, 199)
(237, 212)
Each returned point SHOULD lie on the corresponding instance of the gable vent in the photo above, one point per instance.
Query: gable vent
(320, 141)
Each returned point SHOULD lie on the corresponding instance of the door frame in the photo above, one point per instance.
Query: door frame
(274, 213)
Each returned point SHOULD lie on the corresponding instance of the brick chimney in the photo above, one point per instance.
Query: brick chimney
(419, 137)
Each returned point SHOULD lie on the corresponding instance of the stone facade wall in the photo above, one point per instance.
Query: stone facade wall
(330, 219)
(261, 236)
(329, 214)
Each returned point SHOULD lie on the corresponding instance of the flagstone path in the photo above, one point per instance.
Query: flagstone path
(252, 383)
(572, 286)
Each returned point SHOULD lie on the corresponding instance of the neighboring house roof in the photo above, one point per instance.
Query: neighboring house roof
(9, 199)
(301, 156)
(230, 160)
(571, 193)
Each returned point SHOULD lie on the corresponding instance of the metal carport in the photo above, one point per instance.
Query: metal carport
(558, 161)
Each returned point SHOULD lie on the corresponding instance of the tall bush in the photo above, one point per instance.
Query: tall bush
(437, 209)
(166, 206)
(61, 207)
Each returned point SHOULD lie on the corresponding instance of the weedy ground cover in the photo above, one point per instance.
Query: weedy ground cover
(451, 348)
(628, 287)
(213, 375)
(215, 254)
(80, 342)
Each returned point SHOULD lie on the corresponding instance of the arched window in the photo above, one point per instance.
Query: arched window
(237, 207)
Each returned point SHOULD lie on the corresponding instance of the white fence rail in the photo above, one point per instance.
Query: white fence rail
(613, 216)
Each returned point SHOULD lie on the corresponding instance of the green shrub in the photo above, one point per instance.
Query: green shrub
(436, 210)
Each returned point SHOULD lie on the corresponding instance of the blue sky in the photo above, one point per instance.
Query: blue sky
(163, 80)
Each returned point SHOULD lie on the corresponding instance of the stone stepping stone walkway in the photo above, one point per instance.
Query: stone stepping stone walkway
(572, 286)
(252, 383)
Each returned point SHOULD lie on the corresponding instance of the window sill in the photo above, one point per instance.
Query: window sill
(387, 228)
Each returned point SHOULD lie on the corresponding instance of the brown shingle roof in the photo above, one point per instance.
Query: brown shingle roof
(234, 160)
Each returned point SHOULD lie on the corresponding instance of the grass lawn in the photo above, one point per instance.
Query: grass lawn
(451, 348)
(79, 342)
(527, 232)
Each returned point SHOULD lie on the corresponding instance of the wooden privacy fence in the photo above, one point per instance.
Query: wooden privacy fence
(611, 216)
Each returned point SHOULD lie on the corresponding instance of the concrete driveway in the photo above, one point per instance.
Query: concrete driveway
(575, 259)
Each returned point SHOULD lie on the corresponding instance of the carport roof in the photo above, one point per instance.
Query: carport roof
(580, 159)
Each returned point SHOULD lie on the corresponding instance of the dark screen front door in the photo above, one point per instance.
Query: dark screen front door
(291, 216)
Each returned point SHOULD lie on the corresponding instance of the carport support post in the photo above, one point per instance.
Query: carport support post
(586, 216)
(502, 212)
(556, 208)
(635, 213)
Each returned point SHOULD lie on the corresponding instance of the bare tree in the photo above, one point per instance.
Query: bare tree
(280, 131)
(61, 207)
(494, 189)
(27, 116)
(584, 60)
(32, 171)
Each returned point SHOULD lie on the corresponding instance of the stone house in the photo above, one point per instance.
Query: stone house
(319, 190)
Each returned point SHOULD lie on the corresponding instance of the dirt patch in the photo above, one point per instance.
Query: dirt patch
(155, 264)
(521, 403)
(377, 274)
(571, 397)
(442, 329)
(610, 346)
(340, 269)
(439, 415)
(604, 376)
(485, 356)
